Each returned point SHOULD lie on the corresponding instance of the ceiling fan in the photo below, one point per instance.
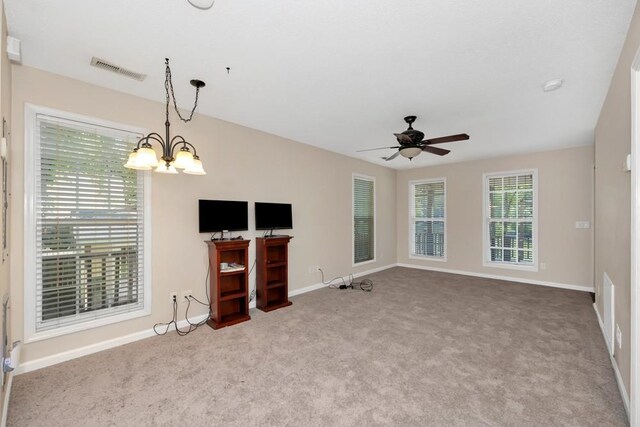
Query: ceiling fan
(412, 144)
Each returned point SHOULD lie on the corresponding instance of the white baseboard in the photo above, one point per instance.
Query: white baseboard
(94, 348)
(116, 342)
(623, 390)
(582, 288)
(345, 278)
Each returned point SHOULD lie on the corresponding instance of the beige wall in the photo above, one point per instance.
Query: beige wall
(565, 180)
(613, 194)
(242, 164)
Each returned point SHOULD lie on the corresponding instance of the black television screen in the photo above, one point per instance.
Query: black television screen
(222, 215)
(270, 216)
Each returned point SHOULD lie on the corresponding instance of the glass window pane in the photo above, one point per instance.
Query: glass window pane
(429, 229)
(495, 184)
(510, 205)
(510, 183)
(496, 204)
(525, 256)
(525, 182)
(525, 235)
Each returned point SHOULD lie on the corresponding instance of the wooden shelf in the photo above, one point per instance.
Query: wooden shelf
(275, 284)
(276, 264)
(228, 289)
(226, 296)
(272, 275)
(232, 272)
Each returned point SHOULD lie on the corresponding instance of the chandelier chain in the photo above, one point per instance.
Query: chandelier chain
(168, 84)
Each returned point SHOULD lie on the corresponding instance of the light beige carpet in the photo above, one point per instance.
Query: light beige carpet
(422, 349)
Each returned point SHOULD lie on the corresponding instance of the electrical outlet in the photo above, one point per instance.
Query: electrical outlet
(543, 266)
(184, 295)
(173, 296)
(314, 269)
(618, 336)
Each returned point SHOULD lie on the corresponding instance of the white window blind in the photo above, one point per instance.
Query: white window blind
(363, 219)
(89, 217)
(428, 218)
(510, 218)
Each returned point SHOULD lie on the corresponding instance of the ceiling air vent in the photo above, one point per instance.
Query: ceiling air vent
(106, 65)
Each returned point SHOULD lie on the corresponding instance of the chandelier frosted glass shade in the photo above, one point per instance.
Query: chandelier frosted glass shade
(196, 167)
(147, 156)
(184, 159)
(134, 162)
(166, 168)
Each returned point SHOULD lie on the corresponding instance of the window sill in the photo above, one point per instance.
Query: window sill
(358, 264)
(32, 336)
(507, 266)
(428, 258)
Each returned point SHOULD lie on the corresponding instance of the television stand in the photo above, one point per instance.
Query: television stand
(228, 288)
(272, 272)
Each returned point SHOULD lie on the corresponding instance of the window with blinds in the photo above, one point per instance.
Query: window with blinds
(89, 223)
(510, 218)
(363, 219)
(428, 218)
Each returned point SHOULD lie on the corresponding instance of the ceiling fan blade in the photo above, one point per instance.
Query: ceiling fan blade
(372, 149)
(393, 156)
(435, 150)
(402, 138)
(443, 139)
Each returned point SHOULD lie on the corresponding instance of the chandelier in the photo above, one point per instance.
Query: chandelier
(144, 157)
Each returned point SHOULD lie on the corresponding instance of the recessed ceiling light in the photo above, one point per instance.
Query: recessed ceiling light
(202, 4)
(552, 85)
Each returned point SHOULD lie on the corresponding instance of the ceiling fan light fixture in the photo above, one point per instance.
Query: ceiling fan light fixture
(410, 152)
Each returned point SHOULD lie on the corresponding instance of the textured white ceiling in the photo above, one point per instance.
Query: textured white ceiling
(341, 75)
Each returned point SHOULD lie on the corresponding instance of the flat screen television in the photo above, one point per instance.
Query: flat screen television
(222, 215)
(273, 216)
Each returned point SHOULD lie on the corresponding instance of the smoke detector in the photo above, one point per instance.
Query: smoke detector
(106, 65)
(202, 4)
(552, 85)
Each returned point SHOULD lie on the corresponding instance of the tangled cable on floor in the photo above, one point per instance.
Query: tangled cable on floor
(364, 285)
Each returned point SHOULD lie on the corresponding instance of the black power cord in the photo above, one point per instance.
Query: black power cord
(174, 321)
(192, 326)
(364, 285)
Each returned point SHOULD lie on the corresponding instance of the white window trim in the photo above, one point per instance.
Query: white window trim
(486, 250)
(30, 334)
(375, 220)
(412, 218)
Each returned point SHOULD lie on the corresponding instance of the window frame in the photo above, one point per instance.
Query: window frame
(30, 239)
(372, 179)
(412, 219)
(486, 218)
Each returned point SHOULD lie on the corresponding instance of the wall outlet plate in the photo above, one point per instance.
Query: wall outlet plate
(184, 295)
(172, 295)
